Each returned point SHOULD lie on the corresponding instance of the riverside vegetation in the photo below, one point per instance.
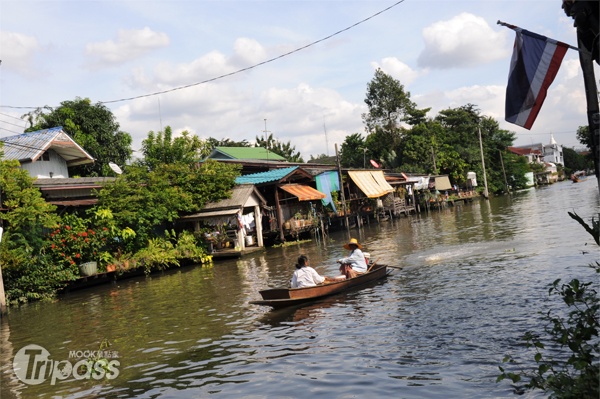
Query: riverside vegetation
(131, 226)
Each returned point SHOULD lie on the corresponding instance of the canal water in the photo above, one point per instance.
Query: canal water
(473, 280)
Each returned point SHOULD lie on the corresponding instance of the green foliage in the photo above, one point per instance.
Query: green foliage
(159, 254)
(144, 200)
(575, 161)
(161, 148)
(188, 248)
(574, 372)
(28, 278)
(389, 104)
(351, 151)
(286, 150)
(93, 127)
(27, 213)
(27, 273)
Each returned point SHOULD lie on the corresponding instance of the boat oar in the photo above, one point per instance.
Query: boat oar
(374, 263)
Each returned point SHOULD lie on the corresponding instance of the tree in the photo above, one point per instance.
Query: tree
(27, 272)
(144, 200)
(351, 151)
(162, 148)
(388, 103)
(575, 161)
(583, 135)
(93, 127)
(286, 150)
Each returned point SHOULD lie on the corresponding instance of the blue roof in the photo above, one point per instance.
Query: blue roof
(265, 177)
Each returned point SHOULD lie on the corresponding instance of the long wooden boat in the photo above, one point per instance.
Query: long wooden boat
(284, 297)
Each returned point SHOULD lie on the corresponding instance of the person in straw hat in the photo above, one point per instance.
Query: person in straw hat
(355, 263)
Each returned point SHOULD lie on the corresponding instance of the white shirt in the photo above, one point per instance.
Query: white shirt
(306, 277)
(356, 261)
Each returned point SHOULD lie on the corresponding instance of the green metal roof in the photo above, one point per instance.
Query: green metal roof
(265, 177)
(245, 153)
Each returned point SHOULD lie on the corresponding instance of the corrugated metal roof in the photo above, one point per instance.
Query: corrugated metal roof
(239, 197)
(246, 153)
(265, 177)
(29, 147)
(304, 193)
(228, 206)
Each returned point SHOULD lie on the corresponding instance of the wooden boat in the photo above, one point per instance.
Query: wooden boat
(283, 297)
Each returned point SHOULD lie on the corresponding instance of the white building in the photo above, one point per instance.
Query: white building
(553, 152)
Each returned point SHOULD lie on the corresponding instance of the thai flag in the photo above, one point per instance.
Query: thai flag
(534, 64)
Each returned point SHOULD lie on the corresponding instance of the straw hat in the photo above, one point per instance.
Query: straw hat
(353, 241)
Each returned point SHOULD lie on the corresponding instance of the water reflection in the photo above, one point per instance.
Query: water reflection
(473, 280)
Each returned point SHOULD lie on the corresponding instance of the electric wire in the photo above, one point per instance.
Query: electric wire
(239, 70)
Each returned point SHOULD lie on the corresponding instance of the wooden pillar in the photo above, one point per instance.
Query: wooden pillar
(279, 215)
(258, 222)
(337, 157)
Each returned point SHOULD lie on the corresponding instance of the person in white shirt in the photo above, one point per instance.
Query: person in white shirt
(306, 276)
(355, 263)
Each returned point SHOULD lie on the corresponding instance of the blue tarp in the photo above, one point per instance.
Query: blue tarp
(326, 183)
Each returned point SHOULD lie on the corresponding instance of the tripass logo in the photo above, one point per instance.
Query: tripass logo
(33, 366)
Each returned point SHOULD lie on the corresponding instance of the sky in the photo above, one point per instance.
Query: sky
(295, 69)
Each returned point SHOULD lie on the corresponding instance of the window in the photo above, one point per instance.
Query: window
(46, 156)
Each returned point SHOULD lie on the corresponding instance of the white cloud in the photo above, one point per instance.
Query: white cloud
(248, 52)
(17, 52)
(398, 70)
(465, 40)
(129, 45)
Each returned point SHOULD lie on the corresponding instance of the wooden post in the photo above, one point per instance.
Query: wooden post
(337, 157)
(504, 172)
(279, 215)
(2, 294)
(485, 190)
(593, 110)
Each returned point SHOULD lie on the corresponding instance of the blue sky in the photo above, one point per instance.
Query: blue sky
(445, 53)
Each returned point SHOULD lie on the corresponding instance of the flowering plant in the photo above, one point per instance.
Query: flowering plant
(73, 242)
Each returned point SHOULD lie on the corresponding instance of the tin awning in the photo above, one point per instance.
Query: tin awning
(371, 183)
(304, 193)
(442, 183)
(212, 214)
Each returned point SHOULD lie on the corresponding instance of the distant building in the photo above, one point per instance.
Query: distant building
(538, 153)
(244, 153)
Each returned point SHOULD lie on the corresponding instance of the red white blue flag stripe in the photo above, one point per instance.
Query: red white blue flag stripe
(534, 65)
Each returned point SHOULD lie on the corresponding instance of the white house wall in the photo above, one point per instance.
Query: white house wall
(55, 165)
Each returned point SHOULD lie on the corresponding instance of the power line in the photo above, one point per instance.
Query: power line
(10, 123)
(239, 70)
(10, 116)
(12, 131)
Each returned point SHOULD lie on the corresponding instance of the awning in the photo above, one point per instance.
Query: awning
(371, 183)
(442, 183)
(203, 215)
(304, 193)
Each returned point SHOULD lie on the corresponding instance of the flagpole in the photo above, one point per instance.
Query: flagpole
(517, 29)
